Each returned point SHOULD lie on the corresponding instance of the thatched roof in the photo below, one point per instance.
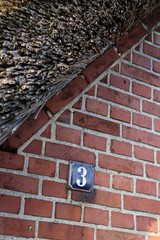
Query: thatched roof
(45, 44)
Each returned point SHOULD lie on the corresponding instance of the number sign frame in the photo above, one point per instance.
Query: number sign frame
(81, 176)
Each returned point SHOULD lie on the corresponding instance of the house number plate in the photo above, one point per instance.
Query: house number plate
(81, 176)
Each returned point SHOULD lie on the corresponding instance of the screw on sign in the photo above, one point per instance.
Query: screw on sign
(81, 176)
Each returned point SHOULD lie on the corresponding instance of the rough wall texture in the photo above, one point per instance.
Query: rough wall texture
(112, 123)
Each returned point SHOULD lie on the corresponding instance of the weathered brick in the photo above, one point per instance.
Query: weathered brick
(142, 121)
(116, 235)
(156, 67)
(68, 212)
(65, 117)
(118, 97)
(120, 114)
(38, 207)
(141, 90)
(119, 82)
(94, 141)
(141, 204)
(96, 124)
(61, 151)
(122, 148)
(99, 197)
(101, 178)
(157, 125)
(153, 171)
(146, 187)
(95, 106)
(68, 134)
(61, 231)
(142, 75)
(18, 183)
(10, 204)
(17, 227)
(34, 147)
(156, 95)
(122, 220)
(141, 136)
(151, 50)
(147, 224)
(143, 153)
(120, 165)
(54, 189)
(41, 167)
(11, 161)
(100, 65)
(47, 132)
(158, 156)
(142, 61)
(151, 108)
(78, 104)
(123, 183)
(60, 100)
(96, 216)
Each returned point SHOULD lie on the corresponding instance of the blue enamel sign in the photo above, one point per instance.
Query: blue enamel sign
(81, 176)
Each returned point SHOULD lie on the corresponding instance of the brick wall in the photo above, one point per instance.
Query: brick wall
(109, 117)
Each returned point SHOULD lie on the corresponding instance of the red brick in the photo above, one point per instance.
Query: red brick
(47, 132)
(65, 117)
(63, 171)
(141, 75)
(141, 204)
(146, 187)
(116, 235)
(120, 114)
(101, 178)
(68, 212)
(96, 216)
(122, 220)
(42, 167)
(156, 95)
(142, 61)
(57, 102)
(119, 82)
(153, 172)
(54, 189)
(154, 237)
(95, 106)
(131, 38)
(151, 108)
(116, 68)
(100, 65)
(91, 92)
(152, 19)
(141, 136)
(118, 97)
(27, 130)
(18, 183)
(93, 141)
(99, 197)
(61, 151)
(147, 224)
(122, 148)
(120, 165)
(156, 67)
(17, 227)
(141, 90)
(61, 231)
(96, 124)
(68, 135)
(158, 156)
(34, 147)
(10, 204)
(11, 161)
(157, 39)
(142, 121)
(151, 50)
(143, 153)
(123, 183)
(128, 57)
(38, 207)
(78, 104)
(157, 125)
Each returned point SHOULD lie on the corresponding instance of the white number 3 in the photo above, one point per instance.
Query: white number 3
(83, 181)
